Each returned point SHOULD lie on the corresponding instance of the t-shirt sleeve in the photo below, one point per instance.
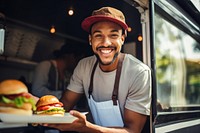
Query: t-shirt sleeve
(139, 95)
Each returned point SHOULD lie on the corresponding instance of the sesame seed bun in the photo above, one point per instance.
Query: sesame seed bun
(46, 100)
(11, 86)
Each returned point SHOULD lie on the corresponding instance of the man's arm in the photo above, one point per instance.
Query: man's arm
(69, 99)
(134, 123)
(134, 120)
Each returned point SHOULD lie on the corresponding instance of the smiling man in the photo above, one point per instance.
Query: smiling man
(106, 39)
(117, 85)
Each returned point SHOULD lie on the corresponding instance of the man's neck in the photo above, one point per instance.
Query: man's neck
(111, 67)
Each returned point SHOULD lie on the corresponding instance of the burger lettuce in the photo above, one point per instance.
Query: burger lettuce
(51, 109)
(18, 101)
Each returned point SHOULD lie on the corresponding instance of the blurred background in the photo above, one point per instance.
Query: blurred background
(34, 28)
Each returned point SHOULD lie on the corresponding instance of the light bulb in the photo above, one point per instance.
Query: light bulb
(70, 12)
(52, 30)
(129, 29)
(140, 38)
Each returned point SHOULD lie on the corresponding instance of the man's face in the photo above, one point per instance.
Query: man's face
(106, 39)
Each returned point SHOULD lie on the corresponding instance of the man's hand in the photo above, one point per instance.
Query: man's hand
(79, 124)
(134, 123)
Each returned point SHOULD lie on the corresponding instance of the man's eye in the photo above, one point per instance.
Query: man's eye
(98, 36)
(114, 35)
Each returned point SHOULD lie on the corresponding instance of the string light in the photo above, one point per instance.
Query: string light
(129, 29)
(52, 30)
(71, 12)
(140, 38)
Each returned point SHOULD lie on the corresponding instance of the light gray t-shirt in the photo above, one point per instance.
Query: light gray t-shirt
(134, 87)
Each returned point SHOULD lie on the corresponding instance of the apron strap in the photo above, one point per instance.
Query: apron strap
(117, 79)
(91, 79)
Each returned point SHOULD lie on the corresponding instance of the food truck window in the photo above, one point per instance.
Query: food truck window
(177, 65)
(177, 69)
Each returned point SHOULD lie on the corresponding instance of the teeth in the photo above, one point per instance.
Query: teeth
(106, 51)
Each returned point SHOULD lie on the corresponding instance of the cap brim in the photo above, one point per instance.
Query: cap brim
(89, 21)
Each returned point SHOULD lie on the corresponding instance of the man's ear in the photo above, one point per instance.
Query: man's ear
(90, 39)
(122, 39)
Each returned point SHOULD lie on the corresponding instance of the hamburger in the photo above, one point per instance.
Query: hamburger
(15, 99)
(49, 105)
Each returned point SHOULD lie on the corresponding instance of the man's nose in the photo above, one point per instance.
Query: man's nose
(106, 41)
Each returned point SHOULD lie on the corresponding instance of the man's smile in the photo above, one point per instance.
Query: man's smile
(106, 50)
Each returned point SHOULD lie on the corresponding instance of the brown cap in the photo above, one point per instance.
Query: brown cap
(105, 14)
